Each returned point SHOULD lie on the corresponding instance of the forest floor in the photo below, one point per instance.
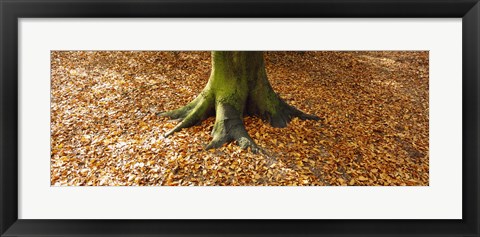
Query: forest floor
(374, 128)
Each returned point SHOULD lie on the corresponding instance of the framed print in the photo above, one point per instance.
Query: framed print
(165, 118)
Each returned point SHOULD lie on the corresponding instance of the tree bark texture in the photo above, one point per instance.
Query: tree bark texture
(237, 86)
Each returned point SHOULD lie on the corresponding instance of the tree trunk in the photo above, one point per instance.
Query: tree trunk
(237, 86)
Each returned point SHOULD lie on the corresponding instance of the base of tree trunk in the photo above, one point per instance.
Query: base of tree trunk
(238, 86)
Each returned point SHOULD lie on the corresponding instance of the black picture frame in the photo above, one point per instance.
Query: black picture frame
(11, 11)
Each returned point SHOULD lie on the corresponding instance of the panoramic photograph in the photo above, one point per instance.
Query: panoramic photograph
(239, 118)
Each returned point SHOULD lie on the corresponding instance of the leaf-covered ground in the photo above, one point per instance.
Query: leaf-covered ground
(373, 105)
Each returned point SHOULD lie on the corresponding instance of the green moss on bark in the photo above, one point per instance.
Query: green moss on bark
(237, 84)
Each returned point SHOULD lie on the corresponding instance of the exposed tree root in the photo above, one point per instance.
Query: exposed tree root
(203, 99)
(273, 109)
(229, 124)
(229, 127)
(191, 114)
(284, 113)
